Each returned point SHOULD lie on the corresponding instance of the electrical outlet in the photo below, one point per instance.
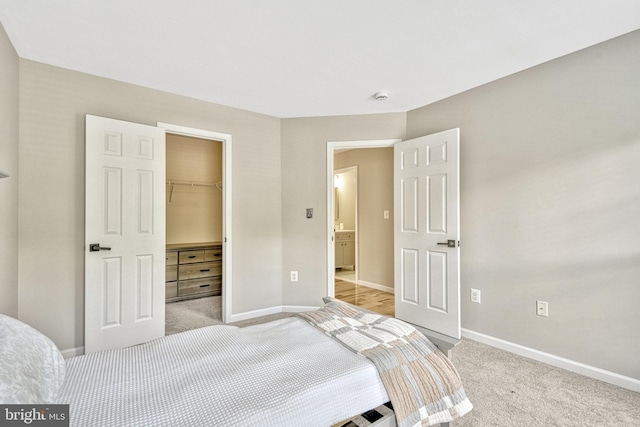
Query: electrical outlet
(385, 214)
(475, 295)
(542, 308)
(294, 276)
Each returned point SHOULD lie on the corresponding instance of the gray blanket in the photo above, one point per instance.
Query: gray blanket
(423, 385)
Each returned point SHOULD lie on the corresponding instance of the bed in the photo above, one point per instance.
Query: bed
(297, 371)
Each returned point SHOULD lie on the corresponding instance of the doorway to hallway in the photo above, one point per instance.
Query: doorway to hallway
(366, 279)
(372, 299)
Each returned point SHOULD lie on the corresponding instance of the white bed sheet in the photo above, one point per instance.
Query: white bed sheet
(281, 373)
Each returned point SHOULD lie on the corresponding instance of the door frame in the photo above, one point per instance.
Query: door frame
(331, 147)
(227, 241)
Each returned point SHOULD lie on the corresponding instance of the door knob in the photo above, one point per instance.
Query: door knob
(95, 247)
(449, 243)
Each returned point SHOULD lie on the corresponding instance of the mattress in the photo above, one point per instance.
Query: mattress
(284, 373)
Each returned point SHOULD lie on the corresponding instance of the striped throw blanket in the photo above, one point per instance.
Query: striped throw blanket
(424, 387)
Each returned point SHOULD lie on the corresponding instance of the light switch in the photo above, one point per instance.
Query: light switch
(386, 214)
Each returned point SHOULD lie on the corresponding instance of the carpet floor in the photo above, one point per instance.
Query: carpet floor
(190, 314)
(506, 390)
(512, 391)
(185, 315)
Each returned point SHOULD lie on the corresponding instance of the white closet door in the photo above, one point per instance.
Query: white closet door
(124, 233)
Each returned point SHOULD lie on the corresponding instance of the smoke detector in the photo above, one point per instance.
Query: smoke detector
(381, 96)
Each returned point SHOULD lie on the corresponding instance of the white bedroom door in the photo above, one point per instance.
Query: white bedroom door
(427, 232)
(124, 233)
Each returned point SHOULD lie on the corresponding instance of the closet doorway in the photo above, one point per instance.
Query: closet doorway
(198, 217)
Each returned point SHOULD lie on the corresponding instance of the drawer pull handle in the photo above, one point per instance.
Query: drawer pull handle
(204, 286)
(208, 269)
(192, 256)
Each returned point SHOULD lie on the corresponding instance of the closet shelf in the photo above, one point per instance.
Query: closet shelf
(172, 184)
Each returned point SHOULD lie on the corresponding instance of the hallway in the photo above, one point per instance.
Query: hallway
(362, 296)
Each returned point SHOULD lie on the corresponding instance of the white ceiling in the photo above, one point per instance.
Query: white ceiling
(296, 58)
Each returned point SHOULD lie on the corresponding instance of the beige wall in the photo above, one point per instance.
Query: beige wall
(9, 68)
(375, 195)
(550, 203)
(194, 214)
(304, 171)
(53, 103)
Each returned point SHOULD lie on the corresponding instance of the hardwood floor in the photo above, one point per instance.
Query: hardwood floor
(371, 299)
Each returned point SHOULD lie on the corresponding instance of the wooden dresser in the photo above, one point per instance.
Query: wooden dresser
(193, 270)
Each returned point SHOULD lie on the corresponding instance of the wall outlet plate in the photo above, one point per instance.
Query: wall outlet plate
(294, 276)
(542, 308)
(476, 295)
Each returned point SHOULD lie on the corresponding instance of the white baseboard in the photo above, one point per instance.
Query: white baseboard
(72, 352)
(255, 313)
(298, 308)
(271, 310)
(376, 286)
(553, 360)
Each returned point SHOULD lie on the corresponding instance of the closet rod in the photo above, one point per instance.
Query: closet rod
(194, 184)
(171, 184)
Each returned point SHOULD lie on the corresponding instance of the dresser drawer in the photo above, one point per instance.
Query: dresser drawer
(193, 270)
(171, 290)
(199, 286)
(172, 258)
(344, 236)
(205, 269)
(171, 274)
(214, 254)
(187, 257)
